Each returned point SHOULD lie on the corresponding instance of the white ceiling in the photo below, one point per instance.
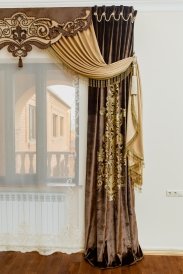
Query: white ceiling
(141, 5)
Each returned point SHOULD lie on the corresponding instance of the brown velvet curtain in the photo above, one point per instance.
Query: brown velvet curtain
(111, 228)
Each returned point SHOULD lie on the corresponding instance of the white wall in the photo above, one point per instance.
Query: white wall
(159, 47)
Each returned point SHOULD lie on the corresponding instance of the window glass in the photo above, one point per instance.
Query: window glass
(39, 125)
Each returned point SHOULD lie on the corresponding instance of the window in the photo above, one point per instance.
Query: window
(45, 165)
(55, 118)
(40, 102)
(32, 122)
(61, 126)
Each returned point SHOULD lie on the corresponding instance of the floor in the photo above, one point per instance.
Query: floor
(58, 263)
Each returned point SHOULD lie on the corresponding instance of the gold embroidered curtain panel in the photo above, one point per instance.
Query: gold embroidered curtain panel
(69, 35)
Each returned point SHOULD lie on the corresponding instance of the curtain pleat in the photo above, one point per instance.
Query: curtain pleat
(111, 228)
(82, 54)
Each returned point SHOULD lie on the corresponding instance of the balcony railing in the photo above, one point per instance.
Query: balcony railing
(59, 164)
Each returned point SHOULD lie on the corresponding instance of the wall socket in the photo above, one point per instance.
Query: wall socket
(174, 193)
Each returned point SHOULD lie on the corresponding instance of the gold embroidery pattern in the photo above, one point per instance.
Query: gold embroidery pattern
(20, 32)
(110, 156)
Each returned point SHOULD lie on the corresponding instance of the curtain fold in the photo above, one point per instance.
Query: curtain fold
(82, 54)
(111, 228)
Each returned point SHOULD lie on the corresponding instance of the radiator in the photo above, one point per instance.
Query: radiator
(36, 221)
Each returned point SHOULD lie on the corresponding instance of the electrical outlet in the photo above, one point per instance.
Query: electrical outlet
(174, 193)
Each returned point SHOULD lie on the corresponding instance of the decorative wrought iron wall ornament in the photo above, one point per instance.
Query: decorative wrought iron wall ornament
(20, 32)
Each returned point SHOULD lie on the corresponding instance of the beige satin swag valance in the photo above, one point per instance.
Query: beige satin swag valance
(82, 54)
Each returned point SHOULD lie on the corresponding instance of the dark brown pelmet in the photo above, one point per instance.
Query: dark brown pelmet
(20, 29)
(61, 15)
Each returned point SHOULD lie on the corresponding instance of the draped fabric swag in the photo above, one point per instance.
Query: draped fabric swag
(102, 51)
(82, 54)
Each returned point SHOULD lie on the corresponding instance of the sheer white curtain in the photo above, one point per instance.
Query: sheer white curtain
(43, 123)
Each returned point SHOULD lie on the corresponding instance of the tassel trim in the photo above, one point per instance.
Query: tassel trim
(135, 170)
(134, 85)
(20, 63)
(95, 83)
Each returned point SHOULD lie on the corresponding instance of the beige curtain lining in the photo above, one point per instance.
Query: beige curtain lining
(82, 54)
(134, 139)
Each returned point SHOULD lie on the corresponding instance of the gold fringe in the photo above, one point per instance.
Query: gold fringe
(136, 170)
(107, 82)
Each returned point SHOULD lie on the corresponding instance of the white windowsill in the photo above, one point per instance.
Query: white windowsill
(48, 187)
(60, 184)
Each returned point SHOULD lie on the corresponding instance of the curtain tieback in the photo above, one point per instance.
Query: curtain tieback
(134, 87)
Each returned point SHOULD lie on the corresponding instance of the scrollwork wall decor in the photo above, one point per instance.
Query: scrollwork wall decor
(20, 32)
